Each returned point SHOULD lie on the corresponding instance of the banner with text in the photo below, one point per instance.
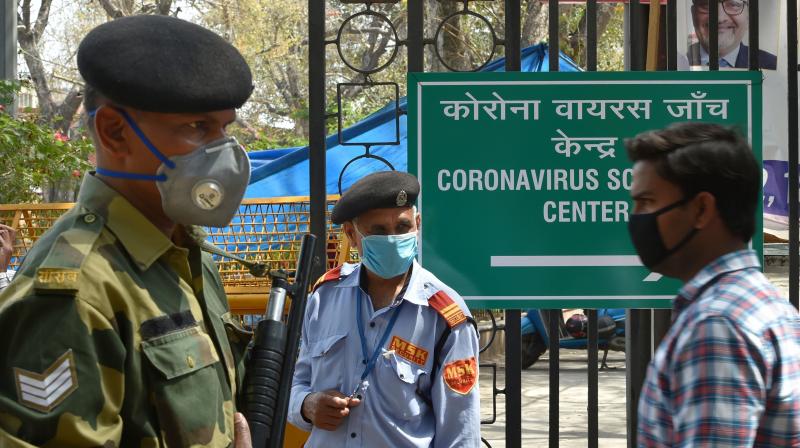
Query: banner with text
(525, 179)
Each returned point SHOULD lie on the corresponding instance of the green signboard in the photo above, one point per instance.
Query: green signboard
(525, 179)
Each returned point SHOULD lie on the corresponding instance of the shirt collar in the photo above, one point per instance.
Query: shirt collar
(416, 292)
(143, 241)
(730, 58)
(730, 262)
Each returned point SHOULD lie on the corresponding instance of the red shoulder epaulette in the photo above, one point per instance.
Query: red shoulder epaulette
(447, 308)
(332, 275)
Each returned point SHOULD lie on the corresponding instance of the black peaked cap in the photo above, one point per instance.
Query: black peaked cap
(164, 64)
(384, 189)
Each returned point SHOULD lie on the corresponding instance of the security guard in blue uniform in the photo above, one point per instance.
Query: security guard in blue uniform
(389, 354)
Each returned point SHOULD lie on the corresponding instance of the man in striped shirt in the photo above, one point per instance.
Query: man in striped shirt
(728, 371)
(7, 237)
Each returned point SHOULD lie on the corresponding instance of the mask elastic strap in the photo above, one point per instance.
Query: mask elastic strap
(682, 242)
(169, 163)
(135, 176)
(132, 176)
(681, 202)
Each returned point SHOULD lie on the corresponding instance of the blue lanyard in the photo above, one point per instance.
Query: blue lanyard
(377, 352)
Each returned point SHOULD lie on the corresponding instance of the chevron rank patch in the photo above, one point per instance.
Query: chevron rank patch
(461, 375)
(44, 391)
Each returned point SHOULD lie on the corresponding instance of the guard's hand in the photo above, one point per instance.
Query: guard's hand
(241, 432)
(326, 410)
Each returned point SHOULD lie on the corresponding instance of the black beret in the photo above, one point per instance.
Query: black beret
(384, 189)
(164, 64)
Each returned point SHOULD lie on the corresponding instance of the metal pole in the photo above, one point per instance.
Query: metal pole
(672, 35)
(593, 427)
(553, 315)
(713, 35)
(592, 407)
(513, 330)
(637, 350)
(636, 36)
(316, 137)
(552, 39)
(637, 322)
(752, 8)
(794, 235)
(416, 59)
(8, 38)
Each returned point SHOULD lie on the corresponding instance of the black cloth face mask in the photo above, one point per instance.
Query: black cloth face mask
(646, 238)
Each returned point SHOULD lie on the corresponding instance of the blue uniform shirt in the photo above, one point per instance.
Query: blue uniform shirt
(407, 402)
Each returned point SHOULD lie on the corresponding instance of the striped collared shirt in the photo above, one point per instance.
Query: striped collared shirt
(728, 371)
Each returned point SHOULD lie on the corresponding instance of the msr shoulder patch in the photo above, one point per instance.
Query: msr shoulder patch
(447, 308)
(44, 391)
(461, 375)
(333, 275)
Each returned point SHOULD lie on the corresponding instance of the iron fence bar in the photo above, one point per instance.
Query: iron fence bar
(752, 9)
(553, 331)
(662, 319)
(552, 39)
(415, 46)
(794, 234)
(713, 35)
(513, 387)
(592, 408)
(553, 334)
(316, 134)
(636, 37)
(637, 356)
(591, 35)
(637, 321)
(592, 373)
(8, 41)
(672, 35)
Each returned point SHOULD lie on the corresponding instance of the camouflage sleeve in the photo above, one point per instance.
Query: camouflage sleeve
(62, 380)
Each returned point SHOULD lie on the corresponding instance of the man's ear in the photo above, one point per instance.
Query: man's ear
(418, 218)
(109, 127)
(705, 206)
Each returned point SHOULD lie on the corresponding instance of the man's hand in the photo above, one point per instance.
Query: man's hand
(7, 237)
(326, 410)
(241, 432)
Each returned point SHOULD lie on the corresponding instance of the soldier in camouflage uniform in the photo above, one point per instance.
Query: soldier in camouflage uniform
(116, 330)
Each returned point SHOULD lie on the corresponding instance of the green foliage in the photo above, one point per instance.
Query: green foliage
(33, 156)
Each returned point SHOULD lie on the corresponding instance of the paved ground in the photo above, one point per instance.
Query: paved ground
(573, 393)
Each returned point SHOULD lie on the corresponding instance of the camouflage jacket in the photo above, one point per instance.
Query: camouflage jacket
(114, 336)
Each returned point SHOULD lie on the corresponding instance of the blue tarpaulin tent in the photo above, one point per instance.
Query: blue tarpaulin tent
(284, 172)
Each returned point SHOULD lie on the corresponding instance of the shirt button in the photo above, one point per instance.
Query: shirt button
(353, 435)
(364, 361)
(372, 324)
(190, 362)
(88, 219)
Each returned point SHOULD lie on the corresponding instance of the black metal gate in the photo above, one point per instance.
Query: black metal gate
(644, 328)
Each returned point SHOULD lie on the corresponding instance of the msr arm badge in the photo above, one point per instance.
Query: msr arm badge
(44, 391)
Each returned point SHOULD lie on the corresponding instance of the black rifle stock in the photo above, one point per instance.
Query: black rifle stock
(268, 380)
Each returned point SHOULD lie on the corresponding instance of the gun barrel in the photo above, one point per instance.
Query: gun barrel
(269, 373)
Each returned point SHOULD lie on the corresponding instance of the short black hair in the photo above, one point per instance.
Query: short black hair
(707, 157)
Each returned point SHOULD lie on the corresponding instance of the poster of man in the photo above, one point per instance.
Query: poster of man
(733, 23)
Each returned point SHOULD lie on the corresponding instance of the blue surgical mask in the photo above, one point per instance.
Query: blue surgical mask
(388, 256)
